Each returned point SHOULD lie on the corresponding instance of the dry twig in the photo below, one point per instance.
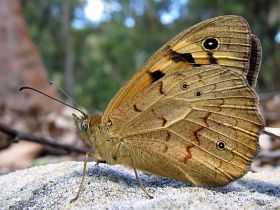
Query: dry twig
(17, 136)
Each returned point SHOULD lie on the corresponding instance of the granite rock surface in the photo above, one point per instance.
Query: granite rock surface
(115, 187)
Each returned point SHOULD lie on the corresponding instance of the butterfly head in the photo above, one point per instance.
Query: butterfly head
(87, 125)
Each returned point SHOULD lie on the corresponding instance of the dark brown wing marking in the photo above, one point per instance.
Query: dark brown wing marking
(189, 154)
(156, 75)
(136, 109)
(161, 88)
(212, 60)
(255, 61)
(182, 57)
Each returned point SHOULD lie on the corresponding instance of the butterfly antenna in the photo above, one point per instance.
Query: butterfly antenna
(66, 94)
(55, 99)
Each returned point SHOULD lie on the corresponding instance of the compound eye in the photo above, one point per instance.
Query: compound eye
(84, 126)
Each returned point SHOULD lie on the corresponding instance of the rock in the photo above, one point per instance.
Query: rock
(114, 187)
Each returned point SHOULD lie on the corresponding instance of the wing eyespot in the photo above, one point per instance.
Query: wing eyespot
(198, 93)
(184, 86)
(210, 44)
(220, 145)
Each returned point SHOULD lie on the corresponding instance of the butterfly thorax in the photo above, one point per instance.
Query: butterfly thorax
(99, 141)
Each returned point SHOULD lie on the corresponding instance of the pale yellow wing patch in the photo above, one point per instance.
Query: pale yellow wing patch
(198, 124)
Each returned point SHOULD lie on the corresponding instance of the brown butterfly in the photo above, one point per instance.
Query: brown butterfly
(191, 112)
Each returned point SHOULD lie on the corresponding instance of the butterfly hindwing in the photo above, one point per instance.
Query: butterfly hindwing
(196, 124)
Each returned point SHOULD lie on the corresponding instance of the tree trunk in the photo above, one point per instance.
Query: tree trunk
(20, 63)
(69, 55)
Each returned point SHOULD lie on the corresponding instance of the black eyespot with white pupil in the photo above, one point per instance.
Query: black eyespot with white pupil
(198, 93)
(210, 44)
(184, 86)
(84, 125)
(221, 145)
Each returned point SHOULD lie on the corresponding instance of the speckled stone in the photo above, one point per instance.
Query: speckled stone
(114, 187)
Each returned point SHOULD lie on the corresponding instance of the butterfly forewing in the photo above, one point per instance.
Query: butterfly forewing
(224, 40)
(197, 124)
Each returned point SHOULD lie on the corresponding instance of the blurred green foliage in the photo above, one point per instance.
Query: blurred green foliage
(108, 52)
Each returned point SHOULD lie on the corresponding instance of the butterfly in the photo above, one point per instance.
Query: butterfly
(191, 112)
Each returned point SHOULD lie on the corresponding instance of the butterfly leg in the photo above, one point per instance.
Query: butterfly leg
(139, 180)
(97, 158)
(82, 181)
